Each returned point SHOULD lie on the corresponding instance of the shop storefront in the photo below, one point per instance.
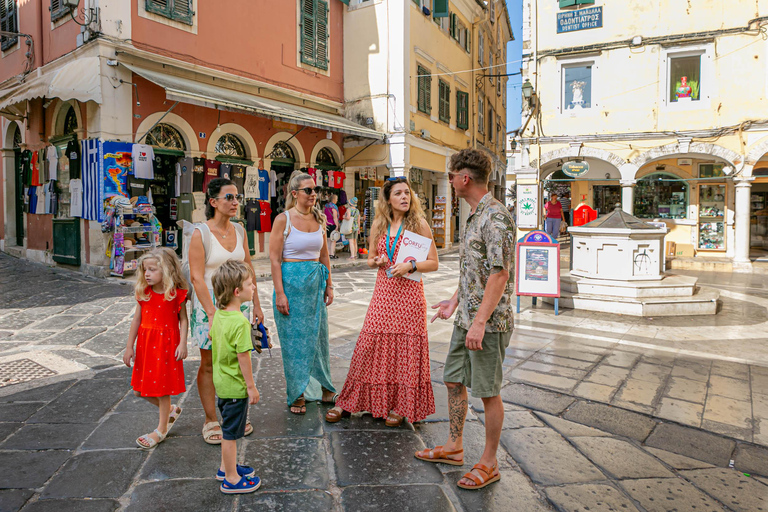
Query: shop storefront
(758, 225)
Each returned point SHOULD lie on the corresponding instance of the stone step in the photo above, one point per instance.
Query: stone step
(669, 286)
(703, 302)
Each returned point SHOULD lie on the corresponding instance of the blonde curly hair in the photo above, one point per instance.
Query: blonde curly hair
(384, 216)
(170, 266)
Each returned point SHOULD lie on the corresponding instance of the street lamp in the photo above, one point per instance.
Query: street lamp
(527, 91)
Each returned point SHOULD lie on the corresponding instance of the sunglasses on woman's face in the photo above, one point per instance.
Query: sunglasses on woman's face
(309, 190)
(232, 197)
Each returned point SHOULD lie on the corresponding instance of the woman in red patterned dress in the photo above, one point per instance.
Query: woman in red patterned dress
(389, 375)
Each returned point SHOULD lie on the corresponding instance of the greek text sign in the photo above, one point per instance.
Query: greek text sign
(582, 19)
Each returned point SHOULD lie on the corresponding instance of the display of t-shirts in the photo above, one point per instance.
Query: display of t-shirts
(225, 171)
(312, 172)
(198, 174)
(51, 198)
(342, 196)
(264, 187)
(25, 160)
(238, 176)
(325, 178)
(35, 180)
(32, 202)
(40, 203)
(186, 205)
(75, 198)
(184, 172)
(211, 172)
(265, 217)
(330, 178)
(272, 183)
(73, 154)
(251, 188)
(142, 157)
(52, 158)
(137, 186)
(252, 215)
(338, 179)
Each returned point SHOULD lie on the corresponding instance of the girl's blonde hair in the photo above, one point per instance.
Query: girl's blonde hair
(170, 266)
(412, 219)
(293, 184)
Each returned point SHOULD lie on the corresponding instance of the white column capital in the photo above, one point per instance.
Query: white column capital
(627, 183)
(743, 181)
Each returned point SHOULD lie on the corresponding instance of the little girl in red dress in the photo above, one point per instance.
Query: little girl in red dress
(159, 330)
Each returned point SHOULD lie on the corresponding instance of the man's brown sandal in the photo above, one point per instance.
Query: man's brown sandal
(438, 454)
(299, 404)
(481, 481)
(394, 420)
(333, 416)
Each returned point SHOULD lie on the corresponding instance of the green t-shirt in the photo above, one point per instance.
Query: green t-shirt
(230, 335)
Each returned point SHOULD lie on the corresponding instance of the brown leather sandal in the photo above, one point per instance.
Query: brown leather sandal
(333, 416)
(438, 454)
(481, 481)
(299, 404)
(394, 419)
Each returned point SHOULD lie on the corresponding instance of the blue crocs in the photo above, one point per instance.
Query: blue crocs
(245, 485)
(245, 471)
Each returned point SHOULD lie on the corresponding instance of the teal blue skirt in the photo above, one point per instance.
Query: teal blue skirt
(304, 331)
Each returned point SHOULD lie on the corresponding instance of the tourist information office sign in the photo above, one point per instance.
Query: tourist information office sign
(582, 19)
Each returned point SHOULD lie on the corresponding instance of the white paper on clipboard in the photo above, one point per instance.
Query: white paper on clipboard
(414, 247)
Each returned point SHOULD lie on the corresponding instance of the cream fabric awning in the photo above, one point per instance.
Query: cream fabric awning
(198, 93)
(77, 80)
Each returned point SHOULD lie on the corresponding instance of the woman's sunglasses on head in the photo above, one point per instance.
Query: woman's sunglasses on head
(398, 179)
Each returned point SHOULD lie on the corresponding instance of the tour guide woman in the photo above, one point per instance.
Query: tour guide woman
(389, 375)
(301, 273)
(227, 242)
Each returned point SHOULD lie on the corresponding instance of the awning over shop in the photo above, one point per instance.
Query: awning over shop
(213, 96)
(77, 80)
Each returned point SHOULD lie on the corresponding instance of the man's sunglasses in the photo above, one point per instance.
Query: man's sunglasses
(232, 197)
(398, 179)
(309, 190)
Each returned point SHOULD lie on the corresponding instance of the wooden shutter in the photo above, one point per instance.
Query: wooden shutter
(321, 31)
(462, 110)
(428, 86)
(421, 92)
(567, 3)
(308, 32)
(8, 22)
(345, 2)
(444, 101)
(452, 29)
(440, 9)
(182, 11)
(161, 7)
(58, 9)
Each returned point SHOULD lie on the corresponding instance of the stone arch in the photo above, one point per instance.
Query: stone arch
(178, 122)
(576, 151)
(295, 146)
(241, 133)
(326, 143)
(754, 155)
(60, 114)
(678, 149)
(10, 129)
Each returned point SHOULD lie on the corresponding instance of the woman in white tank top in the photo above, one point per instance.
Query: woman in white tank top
(227, 242)
(301, 273)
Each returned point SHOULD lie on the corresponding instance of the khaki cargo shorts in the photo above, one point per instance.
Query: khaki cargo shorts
(479, 370)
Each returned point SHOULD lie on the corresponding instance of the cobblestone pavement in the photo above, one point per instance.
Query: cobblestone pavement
(590, 419)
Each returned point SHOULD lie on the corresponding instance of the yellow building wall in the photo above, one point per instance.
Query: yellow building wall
(424, 159)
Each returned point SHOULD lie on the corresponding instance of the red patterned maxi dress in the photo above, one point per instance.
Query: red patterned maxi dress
(390, 366)
(156, 372)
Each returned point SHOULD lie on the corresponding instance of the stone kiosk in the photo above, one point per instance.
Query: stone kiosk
(617, 266)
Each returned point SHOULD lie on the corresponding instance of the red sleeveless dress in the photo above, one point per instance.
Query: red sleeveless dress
(156, 372)
(390, 369)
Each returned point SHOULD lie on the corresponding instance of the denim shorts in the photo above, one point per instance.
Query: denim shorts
(479, 370)
(234, 416)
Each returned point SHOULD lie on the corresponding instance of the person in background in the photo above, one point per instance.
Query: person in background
(331, 223)
(565, 202)
(353, 214)
(554, 216)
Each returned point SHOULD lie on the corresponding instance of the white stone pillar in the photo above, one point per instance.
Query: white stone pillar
(627, 195)
(743, 187)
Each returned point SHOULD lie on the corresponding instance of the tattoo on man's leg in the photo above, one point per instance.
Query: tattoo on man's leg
(457, 412)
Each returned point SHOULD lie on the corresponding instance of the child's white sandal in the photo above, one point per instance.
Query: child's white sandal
(151, 443)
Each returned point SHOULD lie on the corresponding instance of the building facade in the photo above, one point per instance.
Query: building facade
(184, 77)
(636, 106)
(420, 72)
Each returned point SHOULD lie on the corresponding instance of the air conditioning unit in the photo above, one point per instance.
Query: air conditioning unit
(424, 133)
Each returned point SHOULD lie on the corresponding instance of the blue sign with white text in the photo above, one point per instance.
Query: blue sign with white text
(581, 19)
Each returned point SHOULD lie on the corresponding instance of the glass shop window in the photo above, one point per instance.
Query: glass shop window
(661, 196)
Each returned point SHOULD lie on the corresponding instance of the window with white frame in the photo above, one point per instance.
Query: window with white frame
(689, 75)
(491, 69)
(576, 83)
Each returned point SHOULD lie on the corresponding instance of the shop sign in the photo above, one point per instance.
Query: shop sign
(280, 125)
(575, 169)
(527, 206)
(582, 19)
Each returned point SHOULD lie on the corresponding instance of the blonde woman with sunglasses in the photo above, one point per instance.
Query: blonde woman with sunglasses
(228, 242)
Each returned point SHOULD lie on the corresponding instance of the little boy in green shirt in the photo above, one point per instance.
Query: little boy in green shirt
(232, 371)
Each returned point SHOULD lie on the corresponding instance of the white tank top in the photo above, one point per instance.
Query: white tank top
(300, 245)
(219, 255)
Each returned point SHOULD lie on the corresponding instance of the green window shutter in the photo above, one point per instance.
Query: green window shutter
(568, 3)
(308, 32)
(452, 29)
(161, 7)
(58, 9)
(8, 22)
(345, 2)
(429, 94)
(421, 92)
(462, 110)
(181, 10)
(444, 101)
(321, 30)
(440, 9)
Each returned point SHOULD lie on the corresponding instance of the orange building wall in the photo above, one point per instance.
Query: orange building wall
(206, 119)
(252, 38)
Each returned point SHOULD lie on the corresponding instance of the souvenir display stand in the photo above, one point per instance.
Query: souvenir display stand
(537, 268)
(136, 231)
(438, 221)
(712, 201)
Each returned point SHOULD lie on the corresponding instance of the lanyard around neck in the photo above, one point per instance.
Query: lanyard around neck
(391, 250)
